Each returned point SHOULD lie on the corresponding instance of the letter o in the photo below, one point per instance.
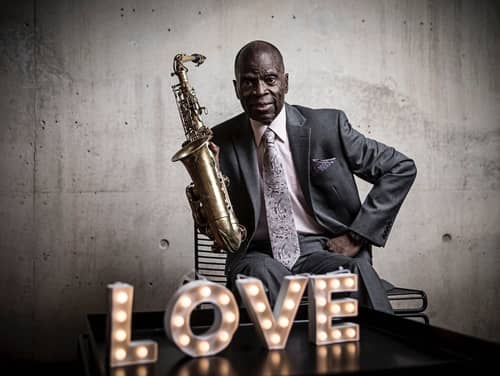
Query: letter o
(178, 314)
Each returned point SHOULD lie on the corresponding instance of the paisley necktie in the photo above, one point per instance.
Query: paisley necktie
(280, 223)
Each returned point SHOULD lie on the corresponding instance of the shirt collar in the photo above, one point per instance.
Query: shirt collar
(278, 125)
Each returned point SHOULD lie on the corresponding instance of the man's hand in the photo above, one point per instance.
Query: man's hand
(214, 149)
(343, 245)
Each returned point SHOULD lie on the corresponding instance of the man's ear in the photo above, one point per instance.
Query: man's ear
(286, 83)
(235, 84)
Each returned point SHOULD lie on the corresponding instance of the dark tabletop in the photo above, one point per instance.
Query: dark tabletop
(388, 345)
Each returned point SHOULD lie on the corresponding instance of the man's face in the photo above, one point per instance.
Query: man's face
(261, 85)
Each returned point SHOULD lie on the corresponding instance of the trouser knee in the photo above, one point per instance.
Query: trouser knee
(270, 277)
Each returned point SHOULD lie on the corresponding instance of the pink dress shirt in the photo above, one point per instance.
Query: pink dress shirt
(304, 222)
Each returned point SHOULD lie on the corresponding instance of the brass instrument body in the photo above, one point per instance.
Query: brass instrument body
(207, 194)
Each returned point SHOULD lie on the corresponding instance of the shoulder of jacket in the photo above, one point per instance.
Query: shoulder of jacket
(321, 117)
(228, 125)
(309, 111)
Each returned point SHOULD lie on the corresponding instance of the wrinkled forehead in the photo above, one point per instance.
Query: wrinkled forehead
(261, 65)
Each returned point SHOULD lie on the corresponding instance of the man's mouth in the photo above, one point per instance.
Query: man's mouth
(261, 106)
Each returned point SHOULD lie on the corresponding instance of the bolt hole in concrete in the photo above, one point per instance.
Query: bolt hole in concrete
(164, 244)
(446, 237)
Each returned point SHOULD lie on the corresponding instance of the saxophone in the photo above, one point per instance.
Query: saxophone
(207, 193)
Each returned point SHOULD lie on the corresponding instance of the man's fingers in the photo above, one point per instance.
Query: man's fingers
(342, 245)
(213, 147)
(333, 246)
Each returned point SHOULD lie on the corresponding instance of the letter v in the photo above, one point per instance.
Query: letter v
(274, 326)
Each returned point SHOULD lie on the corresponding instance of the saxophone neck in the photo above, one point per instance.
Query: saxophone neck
(198, 59)
(188, 105)
(180, 70)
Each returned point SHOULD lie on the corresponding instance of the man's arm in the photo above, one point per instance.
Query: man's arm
(392, 175)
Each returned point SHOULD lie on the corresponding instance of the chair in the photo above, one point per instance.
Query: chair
(406, 302)
(210, 264)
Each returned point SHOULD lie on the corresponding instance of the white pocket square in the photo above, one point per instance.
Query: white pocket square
(320, 165)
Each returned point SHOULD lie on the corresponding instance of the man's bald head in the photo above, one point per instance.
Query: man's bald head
(260, 81)
(254, 48)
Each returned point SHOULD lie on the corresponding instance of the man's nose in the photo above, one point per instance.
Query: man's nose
(260, 88)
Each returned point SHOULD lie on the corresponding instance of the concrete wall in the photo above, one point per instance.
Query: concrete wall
(88, 195)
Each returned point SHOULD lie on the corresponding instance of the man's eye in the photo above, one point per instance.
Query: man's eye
(246, 83)
(271, 80)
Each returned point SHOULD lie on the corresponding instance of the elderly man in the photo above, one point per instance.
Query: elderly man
(291, 171)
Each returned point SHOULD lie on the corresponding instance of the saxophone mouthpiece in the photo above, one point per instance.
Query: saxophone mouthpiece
(198, 59)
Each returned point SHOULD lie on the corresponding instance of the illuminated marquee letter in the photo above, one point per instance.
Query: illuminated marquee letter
(273, 327)
(322, 308)
(123, 351)
(178, 313)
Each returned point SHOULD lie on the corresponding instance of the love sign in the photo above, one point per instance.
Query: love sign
(272, 325)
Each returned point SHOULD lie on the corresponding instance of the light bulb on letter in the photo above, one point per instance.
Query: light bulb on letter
(253, 290)
(295, 287)
(349, 307)
(120, 335)
(266, 324)
(335, 283)
(283, 322)
(224, 299)
(275, 338)
(141, 352)
(289, 304)
(351, 333)
(203, 346)
(260, 307)
(184, 340)
(121, 297)
(121, 316)
(178, 321)
(223, 336)
(349, 282)
(205, 291)
(185, 301)
(120, 354)
(230, 317)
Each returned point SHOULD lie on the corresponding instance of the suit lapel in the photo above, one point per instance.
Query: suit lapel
(246, 153)
(299, 136)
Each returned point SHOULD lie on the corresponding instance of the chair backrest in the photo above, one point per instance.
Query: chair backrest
(208, 263)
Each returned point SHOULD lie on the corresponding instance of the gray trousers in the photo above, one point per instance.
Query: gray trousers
(314, 259)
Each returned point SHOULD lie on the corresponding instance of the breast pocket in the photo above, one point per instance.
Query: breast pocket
(320, 166)
(334, 187)
(329, 176)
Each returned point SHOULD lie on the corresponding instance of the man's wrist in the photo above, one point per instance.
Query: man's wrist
(356, 239)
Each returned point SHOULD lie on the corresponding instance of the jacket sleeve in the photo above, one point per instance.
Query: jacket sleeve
(391, 174)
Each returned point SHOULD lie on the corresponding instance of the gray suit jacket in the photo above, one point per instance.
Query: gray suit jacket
(326, 152)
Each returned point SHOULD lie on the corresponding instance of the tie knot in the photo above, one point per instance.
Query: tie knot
(269, 136)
